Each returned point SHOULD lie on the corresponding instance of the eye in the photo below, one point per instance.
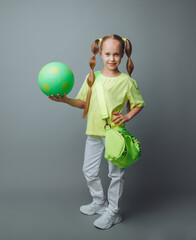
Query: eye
(107, 54)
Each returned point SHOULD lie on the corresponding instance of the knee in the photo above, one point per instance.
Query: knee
(118, 175)
(89, 174)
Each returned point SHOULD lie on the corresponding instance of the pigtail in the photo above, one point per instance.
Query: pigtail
(91, 76)
(130, 66)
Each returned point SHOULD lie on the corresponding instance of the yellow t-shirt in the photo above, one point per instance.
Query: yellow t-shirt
(117, 90)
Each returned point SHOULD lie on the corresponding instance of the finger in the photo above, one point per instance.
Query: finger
(54, 98)
(118, 116)
(121, 119)
(117, 120)
(121, 122)
(59, 96)
(115, 113)
(51, 98)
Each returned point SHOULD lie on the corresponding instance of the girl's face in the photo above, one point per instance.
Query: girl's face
(111, 54)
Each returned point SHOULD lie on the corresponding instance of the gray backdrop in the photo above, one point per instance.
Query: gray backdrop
(42, 142)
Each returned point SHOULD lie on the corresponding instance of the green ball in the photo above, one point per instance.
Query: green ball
(56, 78)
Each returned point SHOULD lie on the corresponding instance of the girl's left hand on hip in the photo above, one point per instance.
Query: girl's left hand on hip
(119, 118)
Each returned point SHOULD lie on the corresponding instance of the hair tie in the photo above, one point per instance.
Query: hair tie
(124, 39)
(100, 40)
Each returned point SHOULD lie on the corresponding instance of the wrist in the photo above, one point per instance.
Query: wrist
(128, 115)
(66, 100)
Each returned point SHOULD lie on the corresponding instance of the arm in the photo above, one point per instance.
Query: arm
(78, 103)
(125, 118)
(134, 111)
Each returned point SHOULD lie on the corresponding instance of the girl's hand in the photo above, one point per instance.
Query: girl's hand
(120, 118)
(59, 99)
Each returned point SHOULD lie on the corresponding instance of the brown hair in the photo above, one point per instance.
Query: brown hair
(92, 62)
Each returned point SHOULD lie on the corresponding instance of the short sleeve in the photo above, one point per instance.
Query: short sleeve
(134, 96)
(82, 94)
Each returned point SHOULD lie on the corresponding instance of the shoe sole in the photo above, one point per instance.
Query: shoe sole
(90, 214)
(116, 221)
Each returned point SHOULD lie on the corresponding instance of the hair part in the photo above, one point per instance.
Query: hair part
(127, 47)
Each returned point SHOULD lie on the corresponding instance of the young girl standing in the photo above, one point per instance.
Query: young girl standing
(118, 88)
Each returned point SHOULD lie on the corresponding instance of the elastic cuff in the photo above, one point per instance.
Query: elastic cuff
(100, 203)
(111, 210)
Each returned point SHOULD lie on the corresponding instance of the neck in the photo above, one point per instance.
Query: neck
(110, 73)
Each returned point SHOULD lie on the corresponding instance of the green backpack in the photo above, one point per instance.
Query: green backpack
(121, 148)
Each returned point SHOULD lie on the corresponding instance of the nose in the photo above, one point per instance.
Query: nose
(111, 57)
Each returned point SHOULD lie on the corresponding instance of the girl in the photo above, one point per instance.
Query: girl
(118, 88)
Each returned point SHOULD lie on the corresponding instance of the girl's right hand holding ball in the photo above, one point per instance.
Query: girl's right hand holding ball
(72, 102)
(59, 99)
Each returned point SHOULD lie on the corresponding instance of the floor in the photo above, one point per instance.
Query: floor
(47, 216)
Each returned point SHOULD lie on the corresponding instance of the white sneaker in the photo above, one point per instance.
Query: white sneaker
(93, 208)
(107, 219)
